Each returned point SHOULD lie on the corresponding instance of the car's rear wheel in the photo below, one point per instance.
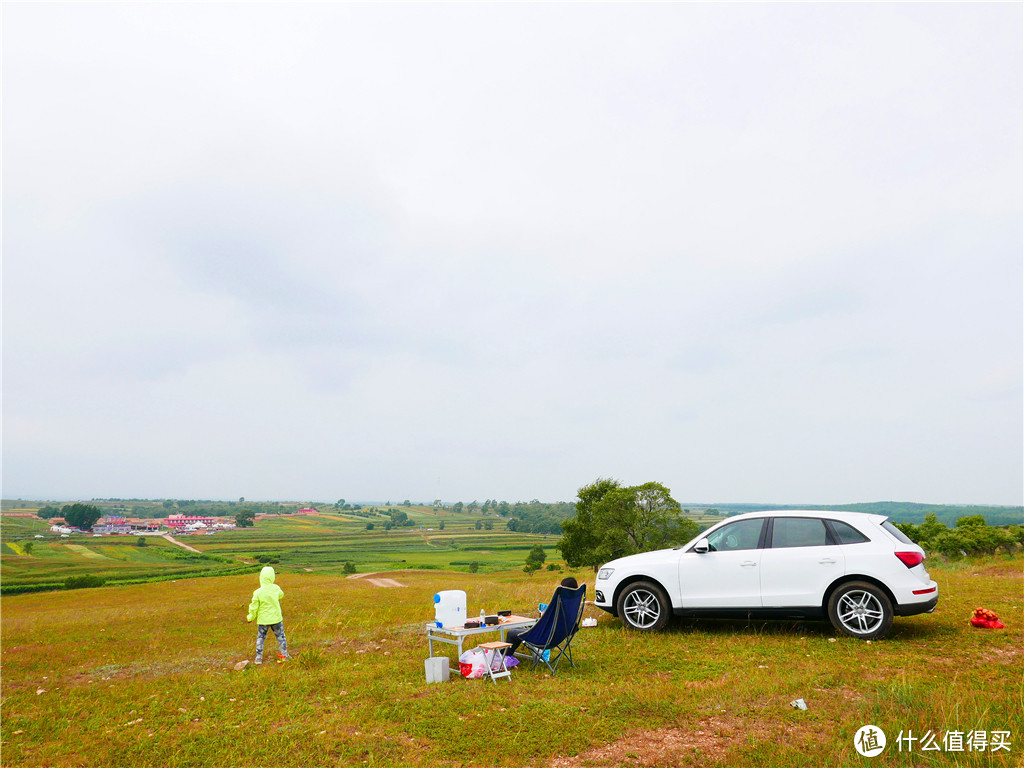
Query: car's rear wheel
(861, 610)
(644, 606)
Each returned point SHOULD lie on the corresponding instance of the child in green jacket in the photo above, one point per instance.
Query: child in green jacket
(266, 609)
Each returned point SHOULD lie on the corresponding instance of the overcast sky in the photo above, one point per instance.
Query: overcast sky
(756, 252)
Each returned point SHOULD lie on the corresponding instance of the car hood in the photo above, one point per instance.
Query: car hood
(644, 558)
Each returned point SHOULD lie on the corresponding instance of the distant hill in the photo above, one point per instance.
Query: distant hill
(899, 511)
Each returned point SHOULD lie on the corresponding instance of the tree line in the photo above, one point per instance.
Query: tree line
(970, 536)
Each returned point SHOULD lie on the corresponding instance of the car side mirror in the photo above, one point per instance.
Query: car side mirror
(701, 546)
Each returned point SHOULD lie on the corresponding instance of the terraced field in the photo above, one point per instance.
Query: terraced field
(316, 543)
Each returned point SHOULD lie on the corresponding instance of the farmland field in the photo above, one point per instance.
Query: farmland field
(311, 544)
(142, 675)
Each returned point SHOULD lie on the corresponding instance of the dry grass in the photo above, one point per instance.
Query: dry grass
(143, 676)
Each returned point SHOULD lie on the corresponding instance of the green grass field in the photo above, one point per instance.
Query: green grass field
(143, 675)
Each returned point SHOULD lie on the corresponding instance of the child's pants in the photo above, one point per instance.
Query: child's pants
(261, 635)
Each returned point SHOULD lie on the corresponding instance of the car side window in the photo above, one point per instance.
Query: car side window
(799, 532)
(847, 534)
(743, 534)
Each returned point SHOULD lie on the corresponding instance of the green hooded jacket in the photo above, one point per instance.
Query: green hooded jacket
(266, 601)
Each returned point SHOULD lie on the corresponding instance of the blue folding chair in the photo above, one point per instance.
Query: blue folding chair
(556, 628)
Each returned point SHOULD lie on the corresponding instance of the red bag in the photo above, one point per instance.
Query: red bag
(987, 623)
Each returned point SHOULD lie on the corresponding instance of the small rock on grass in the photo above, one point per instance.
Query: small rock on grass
(241, 665)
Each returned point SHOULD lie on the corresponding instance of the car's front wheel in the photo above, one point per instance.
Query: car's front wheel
(861, 610)
(644, 606)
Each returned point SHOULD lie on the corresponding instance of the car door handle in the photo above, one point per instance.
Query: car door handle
(827, 561)
(747, 563)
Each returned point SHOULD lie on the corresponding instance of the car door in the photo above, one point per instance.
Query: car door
(799, 562)
(726, 576)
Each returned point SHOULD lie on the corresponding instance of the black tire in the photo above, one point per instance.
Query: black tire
(644, 606)
(860, 609)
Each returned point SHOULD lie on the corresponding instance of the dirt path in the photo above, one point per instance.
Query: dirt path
(370, 577)
(183, 546)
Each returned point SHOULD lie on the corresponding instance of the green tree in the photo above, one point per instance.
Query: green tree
(474, 567)
(369, 526)
(245, 518)
(82, 516)
(535, 560)
(580, 538)
(612, 521)
(141, 541)
(349, 567)
(931, 527)
(47, 512)
(440, 526)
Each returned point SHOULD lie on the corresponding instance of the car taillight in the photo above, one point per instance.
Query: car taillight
(910, 559)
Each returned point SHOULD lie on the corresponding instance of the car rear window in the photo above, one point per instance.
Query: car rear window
(900, 535)
(799, 532)
(847, 534)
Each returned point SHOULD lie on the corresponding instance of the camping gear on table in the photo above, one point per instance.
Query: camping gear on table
(450, 608)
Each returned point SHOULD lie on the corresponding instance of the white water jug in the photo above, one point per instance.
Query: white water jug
(450, 608)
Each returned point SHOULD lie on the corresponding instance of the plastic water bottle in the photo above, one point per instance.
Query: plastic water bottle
(483, 617)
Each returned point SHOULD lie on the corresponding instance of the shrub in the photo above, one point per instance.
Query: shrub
(23, 589)
(83, 582)
(349, 567)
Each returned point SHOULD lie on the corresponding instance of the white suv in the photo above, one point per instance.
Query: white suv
(858, 570)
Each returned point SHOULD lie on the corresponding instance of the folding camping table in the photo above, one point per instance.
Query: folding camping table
(455, 635)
